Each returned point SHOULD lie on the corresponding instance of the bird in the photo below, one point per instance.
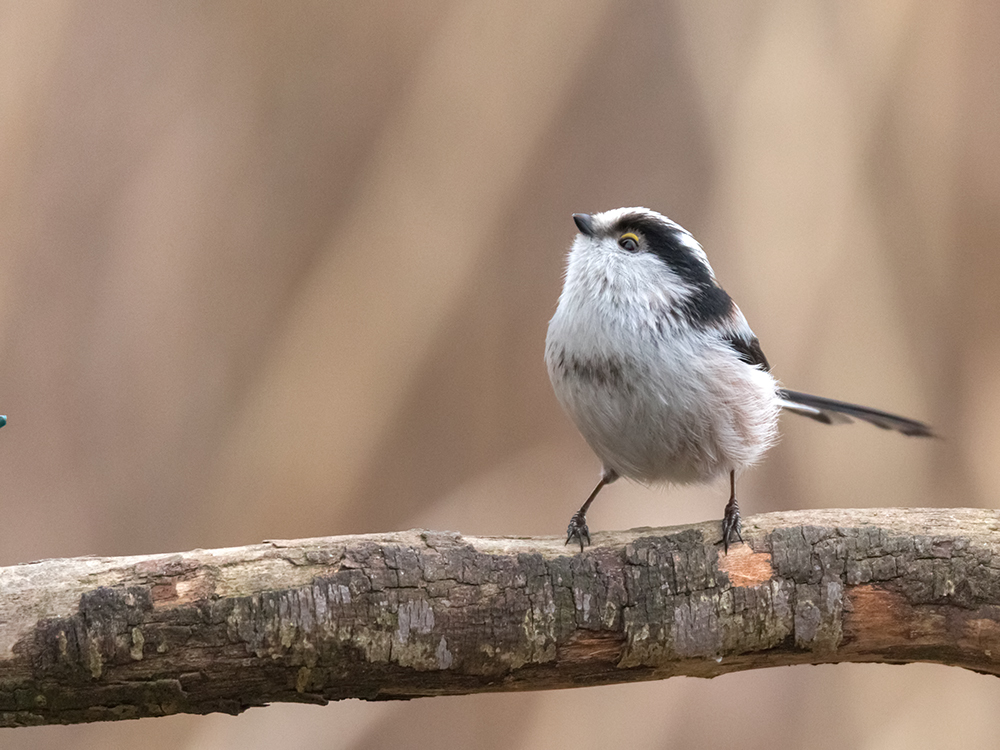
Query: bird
(659, 370)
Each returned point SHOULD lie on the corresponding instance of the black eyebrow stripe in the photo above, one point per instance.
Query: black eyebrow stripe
(663, 240)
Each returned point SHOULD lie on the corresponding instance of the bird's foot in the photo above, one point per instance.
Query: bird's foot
(578, 530)
(731, 524)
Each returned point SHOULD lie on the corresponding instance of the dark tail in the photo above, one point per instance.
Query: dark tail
(830, 411)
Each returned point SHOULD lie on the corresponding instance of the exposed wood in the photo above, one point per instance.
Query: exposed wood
(428, 613)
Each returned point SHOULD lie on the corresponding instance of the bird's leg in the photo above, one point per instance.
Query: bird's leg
(577, 528)
(731, 524)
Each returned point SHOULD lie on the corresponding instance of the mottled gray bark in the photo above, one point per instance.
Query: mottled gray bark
(426, 613)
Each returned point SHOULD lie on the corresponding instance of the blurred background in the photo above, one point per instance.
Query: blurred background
(285, 270)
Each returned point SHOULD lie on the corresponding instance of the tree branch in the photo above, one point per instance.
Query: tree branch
(428, 613)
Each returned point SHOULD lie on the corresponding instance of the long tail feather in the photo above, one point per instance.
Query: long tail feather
(831, 411)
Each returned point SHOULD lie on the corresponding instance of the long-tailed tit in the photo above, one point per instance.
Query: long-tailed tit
(659, 369)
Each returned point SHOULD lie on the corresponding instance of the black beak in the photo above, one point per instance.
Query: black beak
(585, 223)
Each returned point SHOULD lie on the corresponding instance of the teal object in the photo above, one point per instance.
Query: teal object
(3, 419)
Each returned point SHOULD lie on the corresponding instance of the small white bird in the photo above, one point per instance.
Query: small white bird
(659, 369)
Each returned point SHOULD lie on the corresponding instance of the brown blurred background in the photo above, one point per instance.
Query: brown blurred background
(284, 270)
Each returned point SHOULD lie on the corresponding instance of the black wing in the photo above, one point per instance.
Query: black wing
(748, 349)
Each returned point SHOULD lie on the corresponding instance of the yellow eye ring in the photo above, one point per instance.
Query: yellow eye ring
(629, 241)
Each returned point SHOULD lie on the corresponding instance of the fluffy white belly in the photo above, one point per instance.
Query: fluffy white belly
(667, 415)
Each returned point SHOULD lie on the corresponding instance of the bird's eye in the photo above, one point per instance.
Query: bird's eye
(628, 242)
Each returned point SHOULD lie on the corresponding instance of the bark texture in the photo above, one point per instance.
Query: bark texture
(422, 613)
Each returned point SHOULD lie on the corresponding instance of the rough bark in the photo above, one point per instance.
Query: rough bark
(422, 613)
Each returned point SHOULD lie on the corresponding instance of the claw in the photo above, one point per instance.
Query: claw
(578, 530)
(732, 524)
